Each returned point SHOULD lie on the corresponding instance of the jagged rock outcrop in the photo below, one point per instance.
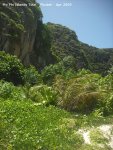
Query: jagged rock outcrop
(22, 32)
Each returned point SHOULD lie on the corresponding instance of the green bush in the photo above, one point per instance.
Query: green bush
(83, 72)
(59, 86)
(106, 87)
(9, 91)
(86, 92)
(11, 69)
(106, 103)
(83, 103)
(31, 76)
(80, 93)
(43, 95)
(64, 68)
(69, 62)
(49, 72)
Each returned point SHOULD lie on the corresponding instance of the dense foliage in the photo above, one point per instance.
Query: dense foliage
(43, 95)
(12, 70)
(9, 91)
(79, 91)
(66, 67)
(85, 92)
(22, 33)
(31, 76)
(34, 127)
(33, 115)
(65, 42)
(12, 18)
(52, 109)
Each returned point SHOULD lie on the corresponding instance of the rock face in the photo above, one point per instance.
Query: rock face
(21, 32)
(65, 43)
(41, 54)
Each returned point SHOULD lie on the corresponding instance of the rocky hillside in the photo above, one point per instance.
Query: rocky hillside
(65, 42)
(22, 33)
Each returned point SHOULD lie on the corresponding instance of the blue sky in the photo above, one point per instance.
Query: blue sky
(92, 20)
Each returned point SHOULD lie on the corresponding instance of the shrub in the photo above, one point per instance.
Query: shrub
(49, 72)
(106, 87)
(31, 76)
(83, 72)
(69, 62)
(43, 94)
(79, 94)
(84, 102)
(9, 91)
(59, 86)
(87, 92)
(106, 83)
(64, 68)
(6, 89)
(106, 103)
(11, 69)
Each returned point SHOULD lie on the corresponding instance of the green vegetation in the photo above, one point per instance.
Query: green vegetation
(66, 43)
(14, 27)
(13, 17)
(26, 126)
(66, 102)
(31, 76)
(66, 68)
(49, 116)
(12, 70)
(97, 137)
(85, 92)
(43, 95)
(9, 91)
(41, 55)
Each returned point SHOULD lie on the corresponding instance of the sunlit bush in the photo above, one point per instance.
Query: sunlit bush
(79, 94)
(9, 91)
(11, 68)
(43, 95)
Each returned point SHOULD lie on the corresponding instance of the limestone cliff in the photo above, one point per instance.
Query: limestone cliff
(21, 32)
(65, 42)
